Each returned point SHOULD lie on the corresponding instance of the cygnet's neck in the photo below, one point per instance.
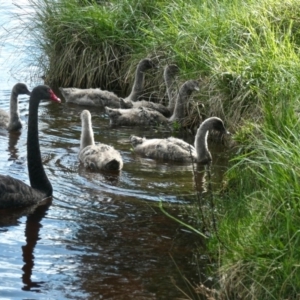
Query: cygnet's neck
(87, 134)
(182, 97)
(14, 120)
(169, 78)
(203, 154)
(138, 84)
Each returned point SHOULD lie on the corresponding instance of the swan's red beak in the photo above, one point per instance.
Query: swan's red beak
(53, 97)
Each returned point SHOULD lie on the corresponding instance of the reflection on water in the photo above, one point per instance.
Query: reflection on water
(32, 228)
(103, 236)
(13, 138)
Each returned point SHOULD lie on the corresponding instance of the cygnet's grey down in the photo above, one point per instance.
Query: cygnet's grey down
(12, 120)
(90, 97)
(144, 116)
(96, 157)
(137, 89)
(101, 98)
(175, 149)
(169, 74)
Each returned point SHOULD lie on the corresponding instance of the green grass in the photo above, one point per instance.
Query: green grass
(261, 211)
(243, 51)
(246, 54)
(261, 220)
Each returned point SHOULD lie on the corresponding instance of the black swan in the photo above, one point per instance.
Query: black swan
(12, 120)
(175, 149)
(13, 192)
(144, 116)
(169, 73)
(100, 156)
(98, 97)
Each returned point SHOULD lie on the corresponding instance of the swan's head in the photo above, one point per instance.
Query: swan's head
(21, 89)
(125, 104)
(191, 85)
(135, 140)
(171, 70)
(44, 92)
(112, 112)
(215, 123)
(147, 63)
(85, 115)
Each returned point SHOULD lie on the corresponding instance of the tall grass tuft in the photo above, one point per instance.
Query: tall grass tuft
(260, 227)
(262, 219)
(246, 54)
(237, 48)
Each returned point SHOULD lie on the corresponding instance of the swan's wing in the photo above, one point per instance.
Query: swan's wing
(91, 97)
(109, 99)
(180, 150)
(15, 193)
(101, 157)
(135, 116)
(166, 149)
(66, 92)
(182, 144)
(153, 106)
(125, 117)
(148, 116)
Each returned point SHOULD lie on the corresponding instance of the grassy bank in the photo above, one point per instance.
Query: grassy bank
(237, 48)
(246, 54)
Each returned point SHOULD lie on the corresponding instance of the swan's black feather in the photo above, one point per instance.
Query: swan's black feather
(15, 193)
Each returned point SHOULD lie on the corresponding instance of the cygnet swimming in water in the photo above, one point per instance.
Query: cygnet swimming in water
(90, 97)
(169, 73)
(12, 120)
(175, 149)
(101, 98)
(100, 156)
(147, 117)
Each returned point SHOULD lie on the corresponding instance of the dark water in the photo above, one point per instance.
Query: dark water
(103, 236)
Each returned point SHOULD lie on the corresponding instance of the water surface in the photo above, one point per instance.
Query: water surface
(103, 236)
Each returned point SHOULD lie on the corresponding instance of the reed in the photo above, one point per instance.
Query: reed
(246, 54)
(237, 48)
(261, 222)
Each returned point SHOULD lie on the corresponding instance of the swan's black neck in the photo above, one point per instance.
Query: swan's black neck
(37, 175)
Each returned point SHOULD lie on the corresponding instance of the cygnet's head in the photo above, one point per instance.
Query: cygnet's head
(85, 115)
(171, 70)
(191, 85)
(147, 63)
(135, 140)
(21, 89)
(125, 104)
(215, 123)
